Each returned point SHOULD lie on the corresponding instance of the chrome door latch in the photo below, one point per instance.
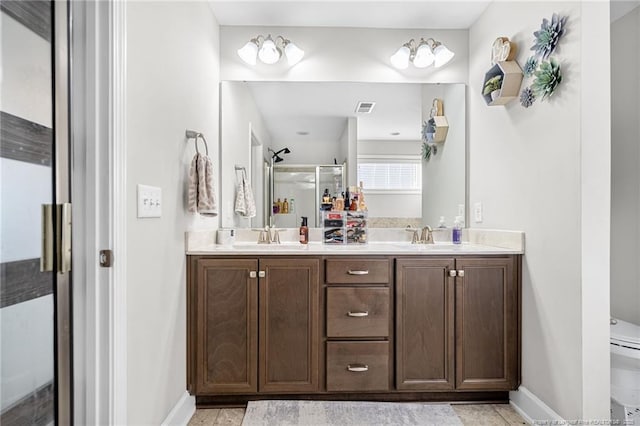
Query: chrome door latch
(106, 258)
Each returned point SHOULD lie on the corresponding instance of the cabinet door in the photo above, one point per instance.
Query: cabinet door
(227, 326)
(424, 324)
(289, 321)
(486, 324)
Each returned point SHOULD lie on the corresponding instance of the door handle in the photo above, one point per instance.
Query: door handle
(358, 314)
(461, 273)
(262, 274)
(365, 272)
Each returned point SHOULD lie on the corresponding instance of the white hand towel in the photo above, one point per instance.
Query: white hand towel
(245, 203)
(202, 193)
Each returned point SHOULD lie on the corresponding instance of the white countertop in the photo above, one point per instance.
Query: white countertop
(475, 241)
(382, 248)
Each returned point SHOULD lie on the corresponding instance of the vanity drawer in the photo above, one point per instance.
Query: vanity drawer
(357, 366)
(355, 270)
(357, 312)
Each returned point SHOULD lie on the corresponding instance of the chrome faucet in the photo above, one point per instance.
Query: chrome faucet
(267, 237)
(414, 236)
(427, 235)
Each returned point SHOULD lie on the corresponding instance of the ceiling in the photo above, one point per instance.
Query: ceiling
(452, 14)
(322, 109)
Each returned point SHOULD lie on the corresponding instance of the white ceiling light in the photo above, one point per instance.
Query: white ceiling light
(270, 51)
(422, 54)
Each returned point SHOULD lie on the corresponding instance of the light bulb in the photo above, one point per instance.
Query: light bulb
(294, 53)
(443, 55)
(269, 52)
(400, 59)
(424, 56)
(249, 52)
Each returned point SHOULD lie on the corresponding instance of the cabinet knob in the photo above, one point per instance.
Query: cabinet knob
(461, 273)
(358, 368)
(358, 314)
(453, 273)
(365, 272)
(252, 274)
(262, 274)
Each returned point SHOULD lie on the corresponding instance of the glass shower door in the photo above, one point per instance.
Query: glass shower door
(34, 298)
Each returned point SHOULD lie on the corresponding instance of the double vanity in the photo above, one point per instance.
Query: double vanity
(388, 320)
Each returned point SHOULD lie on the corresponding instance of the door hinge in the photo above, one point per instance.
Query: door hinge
(60, 231)
(106, 258)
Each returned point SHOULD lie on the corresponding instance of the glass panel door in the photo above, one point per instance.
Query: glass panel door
(34, 308)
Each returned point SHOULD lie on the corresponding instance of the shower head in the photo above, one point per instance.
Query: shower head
(275, 157)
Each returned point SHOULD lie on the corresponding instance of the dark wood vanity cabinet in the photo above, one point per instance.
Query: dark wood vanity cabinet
(253, 325)
(373, 327)
(425, 327)
(487, 323)
(457, 323)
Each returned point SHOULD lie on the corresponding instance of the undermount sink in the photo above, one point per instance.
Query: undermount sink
(430, 247)
(269, 247)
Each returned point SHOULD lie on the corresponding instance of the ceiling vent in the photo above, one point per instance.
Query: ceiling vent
(365, 107)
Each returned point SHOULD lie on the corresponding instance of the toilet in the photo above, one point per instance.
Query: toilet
(625, 371)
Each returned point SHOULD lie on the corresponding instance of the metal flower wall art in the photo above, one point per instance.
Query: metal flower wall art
(548, 36)
(544, 69)
(530, 66)
(547, 79)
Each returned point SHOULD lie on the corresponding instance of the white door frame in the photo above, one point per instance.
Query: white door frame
(98, 138)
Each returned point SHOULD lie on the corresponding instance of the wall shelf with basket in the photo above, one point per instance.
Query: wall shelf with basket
(502, 83)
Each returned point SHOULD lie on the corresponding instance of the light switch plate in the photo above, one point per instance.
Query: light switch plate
(149, 201)
(477, 212)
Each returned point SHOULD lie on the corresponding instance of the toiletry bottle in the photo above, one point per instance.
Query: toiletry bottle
(285, 206)
(292, 205)
(362, 206)
(457, 230)
(347, 199)
(304, 231)
(354, 203)
(339, 203)
(279, 206)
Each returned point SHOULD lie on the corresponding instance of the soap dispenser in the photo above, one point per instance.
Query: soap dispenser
(457, 230)
(304, 231)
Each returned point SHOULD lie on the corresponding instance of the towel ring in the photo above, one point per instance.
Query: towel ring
(206, 146)
(191, 134)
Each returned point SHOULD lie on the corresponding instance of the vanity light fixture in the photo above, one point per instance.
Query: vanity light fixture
(270, 50)
(422, 54)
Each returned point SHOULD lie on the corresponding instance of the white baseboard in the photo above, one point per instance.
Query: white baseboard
(531, 408)
(182, 412)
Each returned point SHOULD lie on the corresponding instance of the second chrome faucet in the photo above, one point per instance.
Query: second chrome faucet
(426, 236)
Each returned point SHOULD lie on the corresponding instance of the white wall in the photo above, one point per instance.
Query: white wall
(25, 87)
(533, 170)
(239, 117)
(625, 167)
(172, 85)
(342, 54)
(444, 175)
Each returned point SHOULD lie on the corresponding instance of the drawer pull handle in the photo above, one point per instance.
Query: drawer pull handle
(365, 272)
(358, 314)
(358, 368)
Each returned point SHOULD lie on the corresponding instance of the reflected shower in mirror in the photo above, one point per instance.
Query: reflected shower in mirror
(374, 129)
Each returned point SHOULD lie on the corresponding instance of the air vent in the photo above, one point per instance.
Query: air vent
(365, 107)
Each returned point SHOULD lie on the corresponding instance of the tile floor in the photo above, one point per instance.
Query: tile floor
(476, 415)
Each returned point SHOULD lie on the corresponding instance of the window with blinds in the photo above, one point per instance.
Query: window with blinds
(397, 174)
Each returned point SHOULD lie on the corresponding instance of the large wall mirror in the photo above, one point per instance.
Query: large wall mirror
(271, 128)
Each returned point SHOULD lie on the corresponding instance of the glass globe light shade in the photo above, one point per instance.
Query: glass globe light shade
(294, 53)
(400, 59)
(269, 52)
(249, 52)
(424, 56)
(442, 54)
